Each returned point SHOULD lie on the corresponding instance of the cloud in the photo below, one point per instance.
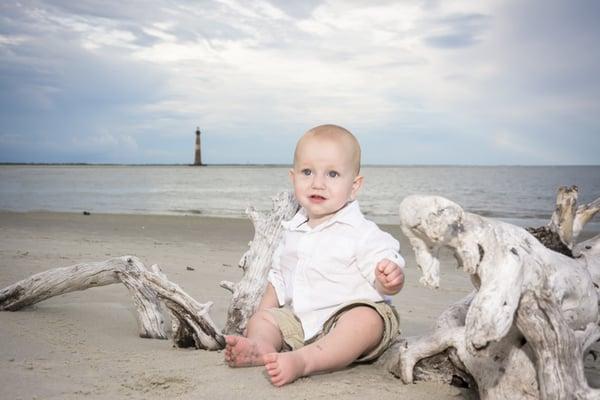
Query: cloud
(458, 31)
(485, 79)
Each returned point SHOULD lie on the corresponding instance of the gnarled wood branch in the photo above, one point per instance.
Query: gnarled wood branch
(195, 327)
(584, 214)
(567, 221)
(83, 276)
(558, 351)
(192, 325)
(256, 262)
(563, 216)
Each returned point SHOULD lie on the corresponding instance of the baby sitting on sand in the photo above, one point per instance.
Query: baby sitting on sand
(325, 305)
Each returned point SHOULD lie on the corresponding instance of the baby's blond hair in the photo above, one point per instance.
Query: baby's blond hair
(335, 133)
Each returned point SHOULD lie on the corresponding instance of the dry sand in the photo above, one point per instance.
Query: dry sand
(86, 344)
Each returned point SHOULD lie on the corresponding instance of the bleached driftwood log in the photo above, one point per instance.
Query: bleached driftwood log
(59, 281)
(256, 262)
(433, 358)
(558, 350)
(192, 323)
(482, 334)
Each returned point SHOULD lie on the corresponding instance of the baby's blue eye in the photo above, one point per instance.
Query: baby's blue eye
(306, 171)
(333, 174)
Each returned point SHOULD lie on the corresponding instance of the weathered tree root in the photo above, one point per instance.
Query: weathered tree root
(558, 351)
(256, 262)
(191, 320)
(194, 326)
(567, 221)
(504, 263)
(54, 282)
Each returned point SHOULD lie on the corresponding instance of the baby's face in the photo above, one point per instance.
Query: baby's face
(324, 177)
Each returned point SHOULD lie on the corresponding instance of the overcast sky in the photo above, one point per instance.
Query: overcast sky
(418, 82)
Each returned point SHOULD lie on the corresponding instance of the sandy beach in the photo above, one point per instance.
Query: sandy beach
(86, 344)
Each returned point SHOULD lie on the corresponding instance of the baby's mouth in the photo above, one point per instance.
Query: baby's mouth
(316, 197)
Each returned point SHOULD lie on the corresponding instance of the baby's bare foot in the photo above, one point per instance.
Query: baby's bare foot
(284, 368)
(243, 352)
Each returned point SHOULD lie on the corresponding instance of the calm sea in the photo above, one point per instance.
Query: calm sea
(521, 195)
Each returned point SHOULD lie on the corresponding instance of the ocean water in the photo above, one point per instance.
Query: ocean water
(521, 195)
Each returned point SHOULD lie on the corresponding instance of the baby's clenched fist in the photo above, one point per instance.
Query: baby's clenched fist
(389, 277)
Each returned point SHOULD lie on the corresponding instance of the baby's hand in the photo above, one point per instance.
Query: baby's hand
(389, 277)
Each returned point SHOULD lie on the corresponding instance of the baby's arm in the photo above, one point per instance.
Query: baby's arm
(380, 262)
(389, 277)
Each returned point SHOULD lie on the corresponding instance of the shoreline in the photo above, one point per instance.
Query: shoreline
(591, 229)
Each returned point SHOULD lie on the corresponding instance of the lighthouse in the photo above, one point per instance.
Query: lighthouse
(198, 152)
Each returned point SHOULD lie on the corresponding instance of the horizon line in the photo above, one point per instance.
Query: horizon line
(276, 165)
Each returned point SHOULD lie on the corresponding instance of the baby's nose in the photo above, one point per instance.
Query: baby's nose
(318, 181)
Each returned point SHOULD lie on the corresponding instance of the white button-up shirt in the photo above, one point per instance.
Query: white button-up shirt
(316, 270)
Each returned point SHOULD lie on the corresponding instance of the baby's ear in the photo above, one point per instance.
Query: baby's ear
(356, 185)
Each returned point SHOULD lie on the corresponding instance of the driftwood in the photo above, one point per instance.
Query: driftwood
(521, 334)
(192, 326)
(558, 350)
(191, 321)
(256, 262)
(567, 221)
(59, 281)
(496, 335)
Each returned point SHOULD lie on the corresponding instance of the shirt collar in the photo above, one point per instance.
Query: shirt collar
(350, 214)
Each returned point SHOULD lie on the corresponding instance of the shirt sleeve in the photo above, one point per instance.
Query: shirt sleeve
(275, 277)
(374, 247)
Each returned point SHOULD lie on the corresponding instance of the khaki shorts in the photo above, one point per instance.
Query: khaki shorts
(293, 334)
